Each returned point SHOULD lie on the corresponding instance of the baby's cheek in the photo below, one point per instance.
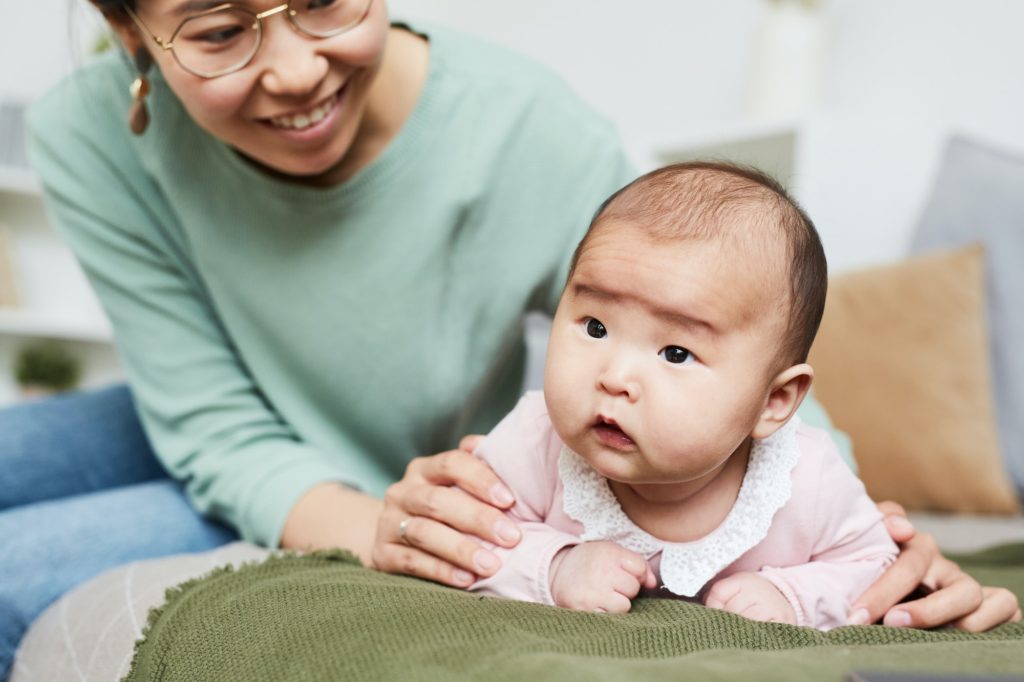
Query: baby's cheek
(686, 447)
(566, 405)
(561, 371)
(559, 407)
(678, 429)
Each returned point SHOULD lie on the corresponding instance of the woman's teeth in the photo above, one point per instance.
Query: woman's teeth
(305, 119)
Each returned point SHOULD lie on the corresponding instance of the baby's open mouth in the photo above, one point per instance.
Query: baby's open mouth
(611, 434)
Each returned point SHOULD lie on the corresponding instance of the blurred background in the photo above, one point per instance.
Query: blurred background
(850, 102)
(896, 123)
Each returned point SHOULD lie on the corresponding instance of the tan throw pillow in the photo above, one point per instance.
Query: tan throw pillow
(902, 365)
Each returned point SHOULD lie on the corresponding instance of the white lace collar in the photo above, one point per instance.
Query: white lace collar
(687, 566)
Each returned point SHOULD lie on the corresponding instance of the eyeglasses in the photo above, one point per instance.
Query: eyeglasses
(224, 39)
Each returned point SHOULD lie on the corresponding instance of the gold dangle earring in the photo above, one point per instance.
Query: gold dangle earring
(138, 114)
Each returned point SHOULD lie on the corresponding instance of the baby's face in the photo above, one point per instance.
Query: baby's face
(661, 354)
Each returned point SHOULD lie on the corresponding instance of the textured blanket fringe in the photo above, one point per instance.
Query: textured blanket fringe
(172, 594)
(656, 630)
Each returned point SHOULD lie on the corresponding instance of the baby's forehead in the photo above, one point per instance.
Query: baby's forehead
(744, 246)
(764, 241)
(743, 277)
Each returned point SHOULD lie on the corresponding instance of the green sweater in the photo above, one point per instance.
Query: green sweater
(277, 336)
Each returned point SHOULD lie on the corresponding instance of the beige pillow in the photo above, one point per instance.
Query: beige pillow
(901, 364)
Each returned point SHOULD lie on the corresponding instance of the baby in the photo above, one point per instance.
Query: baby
(664, 453)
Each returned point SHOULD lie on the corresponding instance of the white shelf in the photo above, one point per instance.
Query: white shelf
(727, 133)
(769, 145)
(54, 300)
(15, 322)
(19, 181)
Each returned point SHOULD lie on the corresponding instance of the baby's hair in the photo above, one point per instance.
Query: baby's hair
(707, 199)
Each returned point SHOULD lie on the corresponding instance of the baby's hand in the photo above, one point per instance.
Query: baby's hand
(598, 576)
(751, 596)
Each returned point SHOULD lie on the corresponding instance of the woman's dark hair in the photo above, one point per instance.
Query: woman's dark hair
(113, 8)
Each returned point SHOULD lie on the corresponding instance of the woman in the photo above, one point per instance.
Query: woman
(316, 256)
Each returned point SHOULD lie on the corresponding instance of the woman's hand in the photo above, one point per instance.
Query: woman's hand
(428, 515)
(953, 597)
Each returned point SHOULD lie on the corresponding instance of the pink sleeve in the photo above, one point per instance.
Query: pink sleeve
(851, 551)
(523, 450)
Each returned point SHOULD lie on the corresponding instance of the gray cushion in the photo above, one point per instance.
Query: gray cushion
(90, 632)
(979, 197)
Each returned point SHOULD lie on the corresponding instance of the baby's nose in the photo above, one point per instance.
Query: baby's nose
(619, 379)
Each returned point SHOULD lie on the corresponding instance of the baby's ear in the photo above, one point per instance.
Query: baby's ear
(785, 394)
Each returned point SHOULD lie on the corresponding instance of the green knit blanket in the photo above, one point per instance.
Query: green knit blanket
(324, 617)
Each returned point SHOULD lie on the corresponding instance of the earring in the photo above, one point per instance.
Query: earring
(138, 114)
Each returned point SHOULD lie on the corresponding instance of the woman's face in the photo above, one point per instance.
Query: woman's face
(267, 109)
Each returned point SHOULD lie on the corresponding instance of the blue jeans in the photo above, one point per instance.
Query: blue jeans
(81, 492)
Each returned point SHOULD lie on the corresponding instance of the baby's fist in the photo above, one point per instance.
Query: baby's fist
(751, 596)
(598, 576)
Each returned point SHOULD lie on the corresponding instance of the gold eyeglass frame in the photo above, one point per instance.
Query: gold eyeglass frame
(168, 45)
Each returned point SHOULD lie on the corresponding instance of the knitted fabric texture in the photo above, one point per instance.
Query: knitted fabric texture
(324, 617)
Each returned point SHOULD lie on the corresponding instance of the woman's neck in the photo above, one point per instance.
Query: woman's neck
(689, 511)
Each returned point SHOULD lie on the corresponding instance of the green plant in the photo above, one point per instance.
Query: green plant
(104, 41)
(47, 365)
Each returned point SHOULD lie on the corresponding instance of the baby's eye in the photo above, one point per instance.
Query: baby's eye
(675, 354)
(595, 328)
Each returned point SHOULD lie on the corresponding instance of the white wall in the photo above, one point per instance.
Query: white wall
(953, 62)
(654, 66)
(899, 76)
(41, 43)
(902, 76)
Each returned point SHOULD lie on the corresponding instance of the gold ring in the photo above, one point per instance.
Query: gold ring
(402, 528)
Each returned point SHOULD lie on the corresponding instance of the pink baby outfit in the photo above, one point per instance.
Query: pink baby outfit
(801, 519)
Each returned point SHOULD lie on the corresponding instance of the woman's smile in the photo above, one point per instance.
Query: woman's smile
(314, 124)
(302, 105)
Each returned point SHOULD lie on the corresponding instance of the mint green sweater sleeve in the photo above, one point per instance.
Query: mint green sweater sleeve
(208, 419)
(276, 336)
